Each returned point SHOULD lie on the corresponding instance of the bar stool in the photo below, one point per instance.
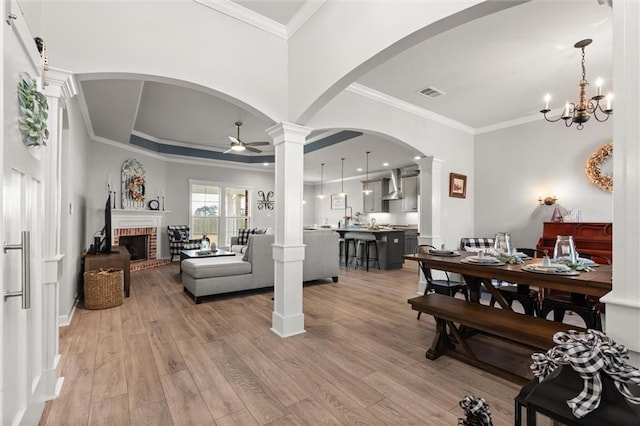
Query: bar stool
(349, 238)
(366, 242)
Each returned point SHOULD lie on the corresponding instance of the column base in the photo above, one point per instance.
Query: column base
(287, 326)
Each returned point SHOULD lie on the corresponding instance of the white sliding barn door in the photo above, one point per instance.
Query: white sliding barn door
(24, 331)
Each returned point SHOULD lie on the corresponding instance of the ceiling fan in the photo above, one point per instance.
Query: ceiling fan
(239, 145)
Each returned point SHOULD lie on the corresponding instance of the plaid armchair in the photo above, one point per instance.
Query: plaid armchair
(179, 239)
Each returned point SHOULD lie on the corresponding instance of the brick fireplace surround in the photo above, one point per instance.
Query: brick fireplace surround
(139, 222)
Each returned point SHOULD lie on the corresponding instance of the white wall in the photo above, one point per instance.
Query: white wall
(73, 201)
(171, 178)
(516, 165)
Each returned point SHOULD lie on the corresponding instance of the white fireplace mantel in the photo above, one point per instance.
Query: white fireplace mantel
(127, 219)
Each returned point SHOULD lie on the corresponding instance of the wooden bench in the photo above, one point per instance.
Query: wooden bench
(535, 333)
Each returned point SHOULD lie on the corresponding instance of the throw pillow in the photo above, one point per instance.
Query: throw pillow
(243, 236)
(177, 235)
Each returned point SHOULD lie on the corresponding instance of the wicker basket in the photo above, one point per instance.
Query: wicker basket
(103, 289)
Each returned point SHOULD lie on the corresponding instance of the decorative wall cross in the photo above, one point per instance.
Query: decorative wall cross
(265, 201)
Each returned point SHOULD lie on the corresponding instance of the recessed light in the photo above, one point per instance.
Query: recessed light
(265, 164)
(359, 169)
(385, 164)
(417, 157)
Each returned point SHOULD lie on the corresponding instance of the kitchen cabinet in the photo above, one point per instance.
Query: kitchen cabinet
(373, 202)
(410, 190)
(410, 240)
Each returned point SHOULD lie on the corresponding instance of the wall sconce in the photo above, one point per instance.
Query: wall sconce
(548, 201)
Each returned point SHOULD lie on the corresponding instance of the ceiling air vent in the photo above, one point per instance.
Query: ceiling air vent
(431, 92)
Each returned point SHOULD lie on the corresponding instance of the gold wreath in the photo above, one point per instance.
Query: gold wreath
(594, 164)
(136, 188)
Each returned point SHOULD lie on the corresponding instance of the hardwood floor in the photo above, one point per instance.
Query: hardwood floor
(159, 359)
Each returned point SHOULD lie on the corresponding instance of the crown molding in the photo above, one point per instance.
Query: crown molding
(375, 95)
(512, 123)
(303, 15)
(245, 15)
(64, 80)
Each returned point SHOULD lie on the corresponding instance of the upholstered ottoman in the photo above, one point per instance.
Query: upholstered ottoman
(215, 275)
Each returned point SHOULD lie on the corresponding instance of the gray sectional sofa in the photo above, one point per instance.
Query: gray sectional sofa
(217, 275)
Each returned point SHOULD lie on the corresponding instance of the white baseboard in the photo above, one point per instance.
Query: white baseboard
(65, 320)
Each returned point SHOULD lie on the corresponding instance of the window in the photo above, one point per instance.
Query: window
(218, 210)
(237, 206)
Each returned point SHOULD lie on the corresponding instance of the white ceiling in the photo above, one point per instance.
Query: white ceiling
(493, 70)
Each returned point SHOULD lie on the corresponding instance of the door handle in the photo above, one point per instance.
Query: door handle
(25, 246)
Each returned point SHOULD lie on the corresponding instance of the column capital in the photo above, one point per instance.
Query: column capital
(60, 84)
(430, 163)
(289, 132)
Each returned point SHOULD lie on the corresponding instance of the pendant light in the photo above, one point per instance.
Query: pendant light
(366, 190)
(321, 195)
(342, 193)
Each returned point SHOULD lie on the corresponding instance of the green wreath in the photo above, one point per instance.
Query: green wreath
(33, 112)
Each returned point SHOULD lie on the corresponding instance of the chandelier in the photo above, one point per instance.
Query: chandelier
(581, 112)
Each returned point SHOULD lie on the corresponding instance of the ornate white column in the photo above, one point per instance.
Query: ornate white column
(622, 320)
(430, 225)
(288, 250)
(60, 87)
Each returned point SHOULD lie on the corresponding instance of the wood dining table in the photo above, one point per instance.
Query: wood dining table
(497, 340)
(593, 283)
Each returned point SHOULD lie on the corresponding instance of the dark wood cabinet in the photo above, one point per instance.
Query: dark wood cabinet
(118, 258)
(590, 238)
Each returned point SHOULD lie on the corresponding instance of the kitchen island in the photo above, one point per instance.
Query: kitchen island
(390, 245)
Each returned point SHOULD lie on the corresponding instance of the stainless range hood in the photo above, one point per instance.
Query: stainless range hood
(394, 187)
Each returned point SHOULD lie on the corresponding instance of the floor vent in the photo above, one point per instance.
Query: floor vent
(431, 92)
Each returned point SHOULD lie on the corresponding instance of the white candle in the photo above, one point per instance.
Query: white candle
(598, 86)
(565, 113)
(547, 98)
(609, 97)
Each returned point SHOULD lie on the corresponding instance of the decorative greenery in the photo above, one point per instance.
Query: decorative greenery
(33, 112)
(509, 258)
(575, 266)
(593, 170)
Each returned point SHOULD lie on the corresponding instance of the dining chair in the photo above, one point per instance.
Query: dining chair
(446, 286)
(525, 295)
(588, 308)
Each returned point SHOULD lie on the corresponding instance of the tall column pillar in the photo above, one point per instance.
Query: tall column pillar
(430, 225)
(288, 250)
(60, 87)
(622, 320)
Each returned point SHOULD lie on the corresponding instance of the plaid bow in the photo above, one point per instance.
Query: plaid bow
(477, 412)
(588, 354)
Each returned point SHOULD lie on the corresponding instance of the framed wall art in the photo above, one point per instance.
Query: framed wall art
(338, 202)
(457, 185)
